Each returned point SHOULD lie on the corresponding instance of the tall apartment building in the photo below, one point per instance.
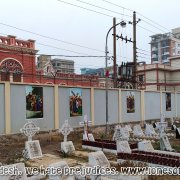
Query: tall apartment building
(63, 65)
(176, 32)
(164, 46)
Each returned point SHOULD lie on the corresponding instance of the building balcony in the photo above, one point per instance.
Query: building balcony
(154, 56)
(165, 53)
(154, 48)
(165, 46)
(155, 60)
(165, 61)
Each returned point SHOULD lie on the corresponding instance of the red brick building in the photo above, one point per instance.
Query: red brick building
(18, 64)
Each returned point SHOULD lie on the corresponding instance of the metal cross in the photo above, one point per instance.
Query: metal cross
(65, 130)
(29, 129)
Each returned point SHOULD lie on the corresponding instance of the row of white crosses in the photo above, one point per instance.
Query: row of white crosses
(30, 129)
(149, 130)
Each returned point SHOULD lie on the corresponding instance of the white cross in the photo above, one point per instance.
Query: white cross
(65, 130)
(162, 118)
(85, 123)
(117, 127)
(172, 120)
(116, 132)
(162, 125)
(29, 129)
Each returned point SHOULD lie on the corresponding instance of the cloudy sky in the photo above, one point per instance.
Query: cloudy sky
(79, 27)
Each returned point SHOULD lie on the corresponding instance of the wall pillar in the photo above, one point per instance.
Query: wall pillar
(7, 108)
(142, 108)
(175, 99)
(120, 107)
(56, 107)
(92, 106)
(161, 106)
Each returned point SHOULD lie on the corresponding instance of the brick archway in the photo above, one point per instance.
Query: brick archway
(11, 70)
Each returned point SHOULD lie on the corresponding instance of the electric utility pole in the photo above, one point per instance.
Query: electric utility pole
(114, 53)
(134, 47)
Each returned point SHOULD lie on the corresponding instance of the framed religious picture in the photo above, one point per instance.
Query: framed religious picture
(130, 101)
(34, 102)
(75, 102)
(168, 101)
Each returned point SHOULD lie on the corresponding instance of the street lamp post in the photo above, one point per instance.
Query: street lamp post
(106, 68)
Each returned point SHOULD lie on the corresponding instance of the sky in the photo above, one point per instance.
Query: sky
(64, 29)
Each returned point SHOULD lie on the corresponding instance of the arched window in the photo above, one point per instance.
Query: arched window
(11, 67)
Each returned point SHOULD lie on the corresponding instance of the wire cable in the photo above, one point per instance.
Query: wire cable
(139, 14)
(48, 37)
(60, 55)
(61, 48)
(118, 5)
(103, 8)
(144, 50)
(143, 53)
(146, 29)
(85, 8)
(152, 21)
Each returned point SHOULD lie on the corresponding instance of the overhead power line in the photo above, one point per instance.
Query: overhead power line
(117, 5)
(51, 46)
(152, 21)
(103, 8)
(140, 15)
(112, 11)
(127, 15)
(143, 57)
(144, 50)
(146, 29)
(48, 37)
(143, 53)
(62, 49)
(85, 8)
(153, 26)
(60, 55)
